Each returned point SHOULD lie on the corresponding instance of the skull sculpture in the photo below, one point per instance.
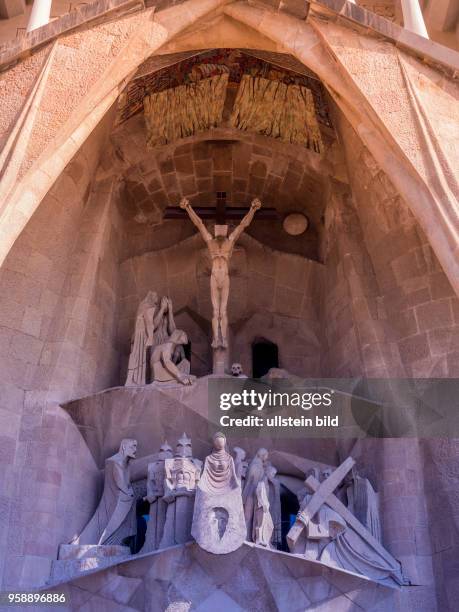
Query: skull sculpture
(236, 369)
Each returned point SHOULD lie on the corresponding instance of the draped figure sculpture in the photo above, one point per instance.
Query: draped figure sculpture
(240, 464)
(218, 519)
(149, 317)
(163, 368)
(263, 526)
(114, 521)
(337, 539)
(255, 473)
(363, 502)
(155, 492)
(274, 495)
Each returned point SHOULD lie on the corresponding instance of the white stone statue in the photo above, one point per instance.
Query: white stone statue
(255, 473)
(218, 519)
(153, 325)
(182, 473)
(274, 495)
(240, 464)
(263, 526)
(363, 502)
(115, 518)
(155, 491)
(220, 248)
(163, 368)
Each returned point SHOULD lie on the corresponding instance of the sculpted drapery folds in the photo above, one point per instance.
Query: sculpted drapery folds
(155, 491)
(154, 326)
(114, 521)
(218, 519)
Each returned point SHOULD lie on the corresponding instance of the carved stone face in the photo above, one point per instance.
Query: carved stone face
(236, 369)
(165, 452)
(219, 442)
(152, 298)
(312, 472)
(326, 473)
(129, 448)
(179, 337)
(184, 448)
(262, 454)
(221, 231)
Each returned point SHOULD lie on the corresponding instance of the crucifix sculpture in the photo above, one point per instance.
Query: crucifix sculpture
(220, 248)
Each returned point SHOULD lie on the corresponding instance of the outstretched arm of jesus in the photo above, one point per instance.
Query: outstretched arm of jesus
(184, 203)
(246, 221)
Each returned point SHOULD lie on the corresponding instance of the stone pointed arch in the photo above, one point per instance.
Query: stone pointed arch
(131, 42)
(400, 133)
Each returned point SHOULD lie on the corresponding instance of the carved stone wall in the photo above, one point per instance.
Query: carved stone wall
(418, 309)
(55, 296)
(245, 166)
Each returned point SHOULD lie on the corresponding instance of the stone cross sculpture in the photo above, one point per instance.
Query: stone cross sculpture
(115, 518)
(155, 491)
(182, 474)
(339, 539)
(220, 248)
(218, 520)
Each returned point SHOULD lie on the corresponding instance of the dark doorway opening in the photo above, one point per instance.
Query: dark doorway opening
(143, 515)
(265, 355)
(289, 509)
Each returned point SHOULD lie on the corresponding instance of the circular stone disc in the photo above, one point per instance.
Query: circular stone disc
(295, 224)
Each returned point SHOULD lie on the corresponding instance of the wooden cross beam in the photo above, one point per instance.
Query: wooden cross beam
(220, 212)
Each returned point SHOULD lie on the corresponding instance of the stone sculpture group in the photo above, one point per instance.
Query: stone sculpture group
(228, 501)
(157, 347)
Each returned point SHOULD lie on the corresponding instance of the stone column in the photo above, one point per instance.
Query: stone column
(40, 14)
(412, 17)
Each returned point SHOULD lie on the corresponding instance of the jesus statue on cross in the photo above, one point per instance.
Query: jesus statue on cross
(220, 249)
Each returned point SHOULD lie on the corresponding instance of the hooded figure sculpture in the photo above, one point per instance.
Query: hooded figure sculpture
(114, 521)
(218, 519)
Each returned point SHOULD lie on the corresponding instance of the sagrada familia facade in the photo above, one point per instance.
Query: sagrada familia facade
(195, 191)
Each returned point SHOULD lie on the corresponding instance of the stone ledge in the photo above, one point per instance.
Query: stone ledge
(12, 51)
(139, 566)
(429, 50)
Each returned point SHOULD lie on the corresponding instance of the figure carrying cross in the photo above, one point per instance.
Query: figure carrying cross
(220, 249)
